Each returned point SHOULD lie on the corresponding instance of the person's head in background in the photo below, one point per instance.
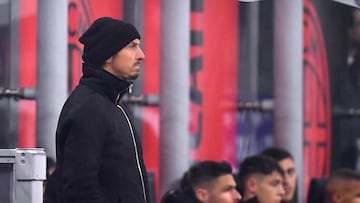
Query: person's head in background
(211, 182)
(354, 26)
(343, 186)
(261, 177)
(50, 166)
(353, 32)
(287, 163)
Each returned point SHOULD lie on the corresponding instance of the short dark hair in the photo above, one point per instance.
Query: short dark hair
(339, 181)
(345, 174)
(277, 153)
(203, 172)
(257, 164)
(198, 174)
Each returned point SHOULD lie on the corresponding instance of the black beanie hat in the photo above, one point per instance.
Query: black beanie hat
(104, 38)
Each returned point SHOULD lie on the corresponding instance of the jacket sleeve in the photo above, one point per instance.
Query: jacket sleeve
(81, 159)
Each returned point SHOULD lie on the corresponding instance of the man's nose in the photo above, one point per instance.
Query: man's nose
(237, 195)
(286, 180)
(281, 190)
(140, 54)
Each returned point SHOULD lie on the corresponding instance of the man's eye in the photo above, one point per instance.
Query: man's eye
(133, 45)
(291, 171)
(229, 188)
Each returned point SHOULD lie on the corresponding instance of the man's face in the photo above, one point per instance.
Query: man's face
(351, 194)
(125, 64)
(288, 167)
(270, 188)
(221, 190)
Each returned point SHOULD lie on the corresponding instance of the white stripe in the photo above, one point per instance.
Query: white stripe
(136, 152)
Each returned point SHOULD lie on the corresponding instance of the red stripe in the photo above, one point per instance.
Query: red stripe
(151, 81)
(112, 8)
(316, 99)
(217, 80)
(27, 72)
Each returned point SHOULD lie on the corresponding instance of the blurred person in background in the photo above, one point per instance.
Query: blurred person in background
(354, 41)
(50, 168)
(261, 180)
(206, 182)
(287, 163)
(343, 186)
(348, 99)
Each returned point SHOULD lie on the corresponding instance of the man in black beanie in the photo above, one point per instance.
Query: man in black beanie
(99, 155)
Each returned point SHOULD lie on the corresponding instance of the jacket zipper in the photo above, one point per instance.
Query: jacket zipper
(136, 152)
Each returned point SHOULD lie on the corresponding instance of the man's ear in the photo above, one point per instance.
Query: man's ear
(201, 194)
(108, 61)
(336, 197)
(251, 184)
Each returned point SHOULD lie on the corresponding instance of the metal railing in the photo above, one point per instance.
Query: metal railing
(22, 172)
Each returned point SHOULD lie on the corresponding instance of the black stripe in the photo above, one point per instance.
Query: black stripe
(321, 144)
(195, 96)
(196, 64)
(196, 5)
(196, 38)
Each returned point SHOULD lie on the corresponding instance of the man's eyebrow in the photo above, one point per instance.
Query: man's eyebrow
(135, 43)
(229, 187)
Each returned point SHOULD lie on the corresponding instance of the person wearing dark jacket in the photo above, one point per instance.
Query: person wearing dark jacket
(343, 186)
(99, 155)
(260, 180)
(205, 182)
(287, 163)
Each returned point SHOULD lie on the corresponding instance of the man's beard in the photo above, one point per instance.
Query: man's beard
(133, 77)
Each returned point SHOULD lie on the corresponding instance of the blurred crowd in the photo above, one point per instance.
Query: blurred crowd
(269, 177)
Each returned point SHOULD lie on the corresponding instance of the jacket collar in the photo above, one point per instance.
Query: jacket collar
(104, 82)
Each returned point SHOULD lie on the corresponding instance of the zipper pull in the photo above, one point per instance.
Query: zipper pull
(117, 98)
(130, 88)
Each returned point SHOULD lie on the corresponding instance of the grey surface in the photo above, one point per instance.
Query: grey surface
(22, 172)
(174, 90)
(52, 71)
(9, 71)
(288, 66)
(6, 177)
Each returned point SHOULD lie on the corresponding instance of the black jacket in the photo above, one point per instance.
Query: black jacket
(178, 196)
(99, 156)
(252, 200)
